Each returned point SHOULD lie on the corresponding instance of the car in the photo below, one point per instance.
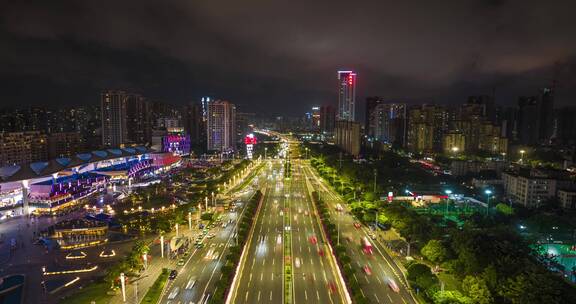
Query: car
(173, 274)
(392, 284)
(332, 287)
(191, 283)
(299, 210)
(199, 246)
(313, 240)
(279, 239)
(321, 252)
(357, 225)
(373, 236)
(174, 293)
(367, 270)
(297, 262)
(306, 212)
(180, 262)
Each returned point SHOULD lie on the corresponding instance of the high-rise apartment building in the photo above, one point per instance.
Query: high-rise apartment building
(21, 148)
(528, 122)
(546, 115)
(195, 125)
(125, 119)
(346, 96)
(347, 136)
(65, 144)
(426, 127)
(385, 122)
(221, 129)
(316, 117)
(327, 119)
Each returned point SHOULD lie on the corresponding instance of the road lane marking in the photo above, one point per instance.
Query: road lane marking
(246, 297)
(261, 276)
(306, 295)
(390, 298)
(317, 295)
(258, 295)
(375, 295)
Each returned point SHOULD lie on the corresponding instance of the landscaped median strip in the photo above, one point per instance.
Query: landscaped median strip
(259, 196)
(288, 286)
(155, 292)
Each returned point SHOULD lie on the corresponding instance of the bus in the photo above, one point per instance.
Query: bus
(366, 246)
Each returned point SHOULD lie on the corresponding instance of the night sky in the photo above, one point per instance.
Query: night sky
(282, 56)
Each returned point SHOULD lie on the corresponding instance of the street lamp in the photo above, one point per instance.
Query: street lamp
(522, 156)
(190, 221)
(488, 193)
(265, 150)
(448, 192)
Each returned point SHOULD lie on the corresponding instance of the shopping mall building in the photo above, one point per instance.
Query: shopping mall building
(46, 187)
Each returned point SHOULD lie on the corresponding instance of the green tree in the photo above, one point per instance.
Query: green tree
(477, 290)
(421, 276)
(504, 209)
(434, 251)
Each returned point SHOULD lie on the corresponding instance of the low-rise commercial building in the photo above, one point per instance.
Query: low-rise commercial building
(531, 188)
(567, 198)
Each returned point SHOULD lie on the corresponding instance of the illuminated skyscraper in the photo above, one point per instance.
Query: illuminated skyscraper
(221, 125)
(346, 95)
(125, 119)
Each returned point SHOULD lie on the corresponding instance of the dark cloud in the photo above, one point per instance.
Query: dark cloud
(282, 55)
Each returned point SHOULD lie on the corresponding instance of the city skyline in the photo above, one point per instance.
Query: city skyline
(225, 152)
(427, 62)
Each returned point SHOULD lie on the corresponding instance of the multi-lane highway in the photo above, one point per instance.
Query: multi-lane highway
(198, 276)
(376, 284)
(260, 277)
(287, 205)
(316, 279)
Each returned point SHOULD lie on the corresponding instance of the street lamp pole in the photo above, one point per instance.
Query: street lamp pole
(448, 192)
(488, 193)
(190, 221)
(375, 175)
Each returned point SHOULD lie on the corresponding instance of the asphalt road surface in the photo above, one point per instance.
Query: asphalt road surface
(261, 278)
(374, 286)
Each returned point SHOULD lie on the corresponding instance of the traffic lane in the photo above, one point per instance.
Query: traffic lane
(327, 269)
(202, 263)
(316, 274)
(260, 281)
(385, 265)
(198, 265)
(348, 231)
(266, 273)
